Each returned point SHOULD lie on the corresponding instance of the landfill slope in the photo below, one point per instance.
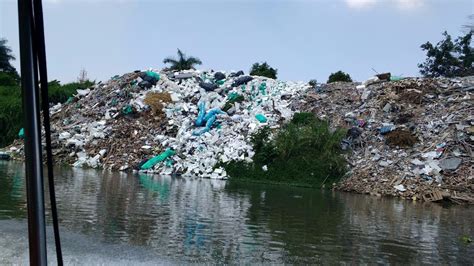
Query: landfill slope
(411, 138)
(128, 120)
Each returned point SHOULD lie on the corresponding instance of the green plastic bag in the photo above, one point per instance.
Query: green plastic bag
(395, 78)
(159, 158)
(153, 75)
(261, 118)
(21, 134)
(126, 110)
(70, 99)
(263, 88)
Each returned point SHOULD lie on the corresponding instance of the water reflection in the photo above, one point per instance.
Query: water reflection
(209, 220)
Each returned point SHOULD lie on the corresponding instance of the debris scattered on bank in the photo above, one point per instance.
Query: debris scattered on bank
(411, 138)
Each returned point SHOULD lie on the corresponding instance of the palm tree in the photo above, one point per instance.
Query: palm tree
(183, 62)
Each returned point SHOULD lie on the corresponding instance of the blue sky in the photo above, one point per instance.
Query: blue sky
(304, 39)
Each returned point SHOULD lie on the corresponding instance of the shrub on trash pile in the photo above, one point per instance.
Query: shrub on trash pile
(263, 70)
(305, 151)
(11, 114)
(60, 93)
(339, 76)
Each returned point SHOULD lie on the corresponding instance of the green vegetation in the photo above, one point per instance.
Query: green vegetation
(263, 70)
(60, 93)
(305, 152)
(11, 115)
(11, 112)
(182, 62)
(5, 57)
(339, 76)
(448, 58)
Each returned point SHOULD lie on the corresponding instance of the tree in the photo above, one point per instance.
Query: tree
(82, 76)
(469, 27)
(182, 62)
(339, 76)
(263, 70)
(313, 83)
(448, 58)
(8, 74)
(5, 57)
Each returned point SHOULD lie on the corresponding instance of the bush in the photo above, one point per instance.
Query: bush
(11, 110)
(448, 58)
(60, 93)
(11, 114)
(263, 70)
(305, 151)
(9, 79)
(313, 83)
(339, 76)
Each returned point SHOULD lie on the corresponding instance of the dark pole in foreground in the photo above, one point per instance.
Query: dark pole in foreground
(33, 162)
(41, 58)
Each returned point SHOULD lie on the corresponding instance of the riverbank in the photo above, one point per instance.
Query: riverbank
(410, 138)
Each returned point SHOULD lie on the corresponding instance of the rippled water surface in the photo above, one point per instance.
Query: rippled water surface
(182, 220)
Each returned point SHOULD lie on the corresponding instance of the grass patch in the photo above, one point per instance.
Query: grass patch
(303, 152)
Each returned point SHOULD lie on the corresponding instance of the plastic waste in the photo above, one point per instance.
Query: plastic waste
(263, 88)
(241, 81)
(261, 118)
(219, 76)
(386, 129)
(208, 86)
(395, 78)
(159, 158)
(209, 118)
(212, 113)
(184, 76)
(208, 126)
(127, 109)
(70, 99)
(21, 134)
(236, 74)
(400, 188)
(202, 112)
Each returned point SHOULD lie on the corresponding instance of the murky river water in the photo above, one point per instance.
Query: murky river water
(106, 217)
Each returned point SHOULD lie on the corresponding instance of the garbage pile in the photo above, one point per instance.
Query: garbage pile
(170, 123)
(411, 138)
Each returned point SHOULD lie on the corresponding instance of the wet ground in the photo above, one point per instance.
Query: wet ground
(116, 218)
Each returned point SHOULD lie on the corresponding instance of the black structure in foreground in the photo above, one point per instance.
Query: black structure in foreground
(33, 59)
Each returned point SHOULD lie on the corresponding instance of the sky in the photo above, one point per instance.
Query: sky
(303, 39)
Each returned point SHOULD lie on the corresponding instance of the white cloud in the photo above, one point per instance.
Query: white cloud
(409, 4)
(401, 4)
(360, 3)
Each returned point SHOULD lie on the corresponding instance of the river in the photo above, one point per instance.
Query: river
(118, 218)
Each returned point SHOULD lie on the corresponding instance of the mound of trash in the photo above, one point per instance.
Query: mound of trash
(169, 123)
(411, 137)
